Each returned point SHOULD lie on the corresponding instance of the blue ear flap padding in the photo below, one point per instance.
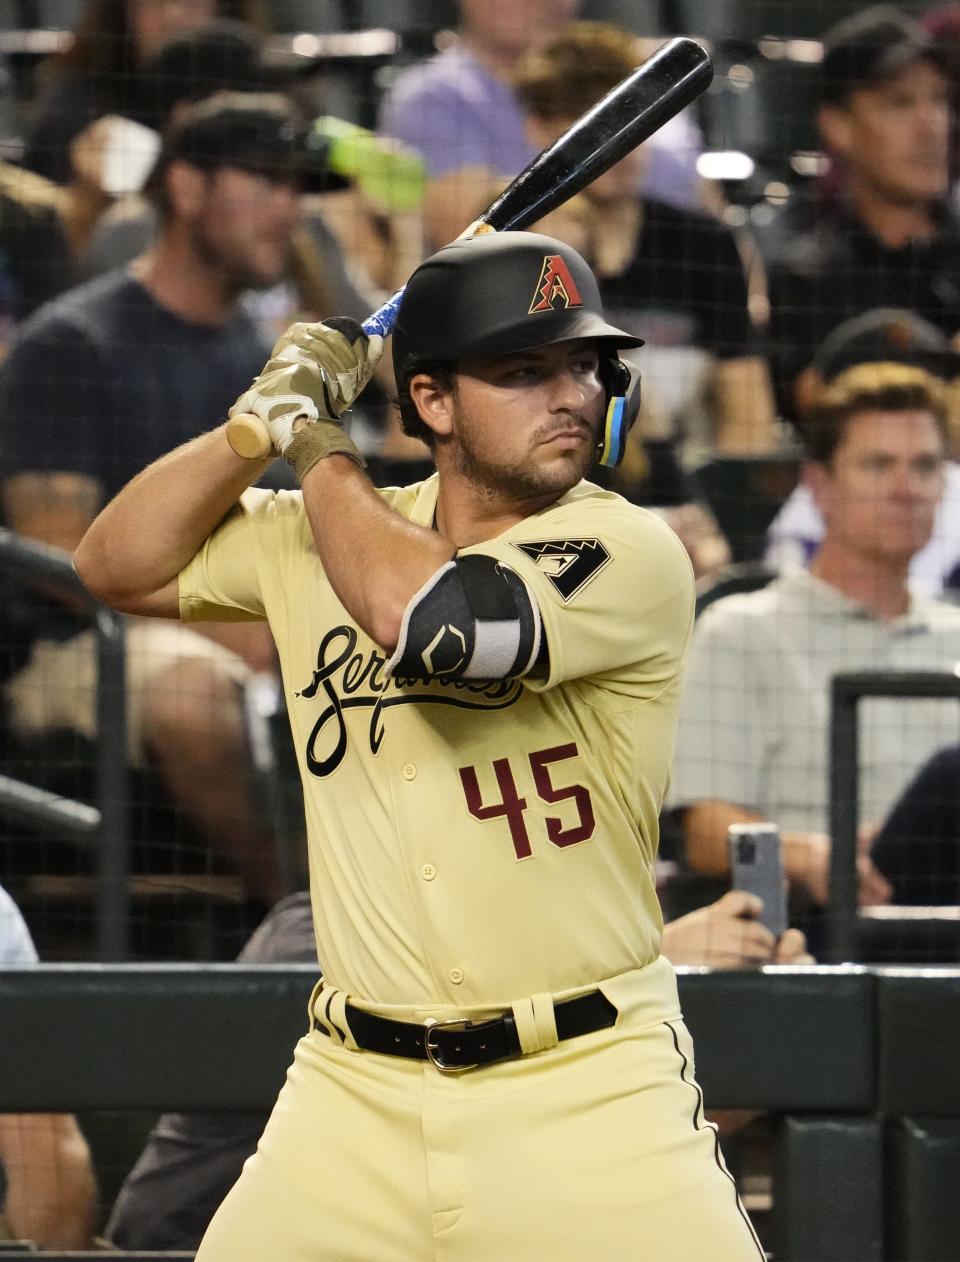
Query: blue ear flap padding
(613, 441)
(622, 384)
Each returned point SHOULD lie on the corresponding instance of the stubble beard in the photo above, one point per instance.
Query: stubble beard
(236, 276)
(522, 481)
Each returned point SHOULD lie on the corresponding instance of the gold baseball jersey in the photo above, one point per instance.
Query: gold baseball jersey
(474, 842)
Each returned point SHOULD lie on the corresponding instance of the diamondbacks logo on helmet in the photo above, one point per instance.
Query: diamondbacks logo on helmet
(555, 285)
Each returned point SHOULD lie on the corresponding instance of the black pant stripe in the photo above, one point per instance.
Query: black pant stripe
(700, 1123)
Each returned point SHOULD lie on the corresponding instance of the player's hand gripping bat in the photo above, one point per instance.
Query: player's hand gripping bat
(628, 115)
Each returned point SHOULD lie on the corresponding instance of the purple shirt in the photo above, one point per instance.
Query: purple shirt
(456, 114)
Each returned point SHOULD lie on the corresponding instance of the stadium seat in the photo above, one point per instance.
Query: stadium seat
(744, 493)
(55, 15)
(643, 17)
(731, 580)
(765, 108)
(318, 17)
(747, 21)
(406, 17)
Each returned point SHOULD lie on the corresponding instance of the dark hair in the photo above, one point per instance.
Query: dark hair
(877, 387)
(571, 73)
(102, 43)
(442, 370)
(871, 45)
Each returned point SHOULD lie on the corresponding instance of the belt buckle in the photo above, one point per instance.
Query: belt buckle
(433, 1052)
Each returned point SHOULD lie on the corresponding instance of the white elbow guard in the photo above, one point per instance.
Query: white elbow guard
(475, 619)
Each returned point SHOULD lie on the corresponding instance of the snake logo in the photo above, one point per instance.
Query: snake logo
(569, 564)
(555, 286)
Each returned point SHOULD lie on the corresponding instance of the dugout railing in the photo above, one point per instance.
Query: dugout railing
(852, 934)
(102, 827)
(858, 1065)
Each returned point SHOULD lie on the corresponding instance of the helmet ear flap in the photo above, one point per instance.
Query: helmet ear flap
(622, 385)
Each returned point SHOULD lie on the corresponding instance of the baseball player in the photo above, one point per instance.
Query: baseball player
(482, 673)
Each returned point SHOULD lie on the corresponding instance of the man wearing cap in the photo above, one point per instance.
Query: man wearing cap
(887, 335)
(881, 234)
(482, 674)
(105, 379)
(227, 55)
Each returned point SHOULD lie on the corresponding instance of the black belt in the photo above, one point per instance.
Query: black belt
(456, 1045)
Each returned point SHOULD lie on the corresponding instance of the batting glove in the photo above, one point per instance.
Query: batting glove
(315, 372)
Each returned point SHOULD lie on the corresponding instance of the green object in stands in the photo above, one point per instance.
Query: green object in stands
(391, 174)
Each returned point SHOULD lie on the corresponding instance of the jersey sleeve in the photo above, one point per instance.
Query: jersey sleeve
(614, 588)
(222, 582)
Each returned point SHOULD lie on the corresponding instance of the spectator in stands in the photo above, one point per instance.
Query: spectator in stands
(35, 258)
(192, 1160)
(227, 55)
(326, 273)
(459, 110)
(752, 741)
(886, 335)
(103, 380)
(888, 238)
(96, 86)
(674, 276)
(942, 23)
(918, 847)
(98, 73)
(51, 1195)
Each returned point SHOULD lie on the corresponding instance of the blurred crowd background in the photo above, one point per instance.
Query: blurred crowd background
(179, 179)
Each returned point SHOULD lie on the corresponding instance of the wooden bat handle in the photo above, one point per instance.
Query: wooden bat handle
(248, 436)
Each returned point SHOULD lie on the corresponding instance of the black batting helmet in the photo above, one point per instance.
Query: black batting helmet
(504, 292)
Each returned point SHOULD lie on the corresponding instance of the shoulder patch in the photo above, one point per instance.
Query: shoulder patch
(569, 564)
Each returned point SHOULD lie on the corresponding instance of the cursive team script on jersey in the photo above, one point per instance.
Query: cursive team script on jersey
(351, 678)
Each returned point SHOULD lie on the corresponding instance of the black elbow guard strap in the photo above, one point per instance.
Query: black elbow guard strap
(475, 619)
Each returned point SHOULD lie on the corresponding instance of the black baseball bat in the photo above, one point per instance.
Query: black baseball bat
(628, 115)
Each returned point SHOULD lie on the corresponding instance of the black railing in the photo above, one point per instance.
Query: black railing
(849, 934)
(104, 825)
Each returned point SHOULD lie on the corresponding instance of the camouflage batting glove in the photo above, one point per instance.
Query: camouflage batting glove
(315, 372)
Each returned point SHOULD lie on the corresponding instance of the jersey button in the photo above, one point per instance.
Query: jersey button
(456, 976)
(428, 871)
(409, 771)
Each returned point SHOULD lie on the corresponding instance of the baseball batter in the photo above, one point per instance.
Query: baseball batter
(482, 673)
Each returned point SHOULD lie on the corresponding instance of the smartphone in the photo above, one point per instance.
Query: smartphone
(757, 867)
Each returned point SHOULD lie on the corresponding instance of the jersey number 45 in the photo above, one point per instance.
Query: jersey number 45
(512, 806)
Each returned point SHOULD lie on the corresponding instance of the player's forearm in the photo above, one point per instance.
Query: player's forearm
(375, 559)
(144, 537)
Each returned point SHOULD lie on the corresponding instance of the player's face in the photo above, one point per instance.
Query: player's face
(244, 225)
(525, 426)
(894, 137)
(880, 491)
